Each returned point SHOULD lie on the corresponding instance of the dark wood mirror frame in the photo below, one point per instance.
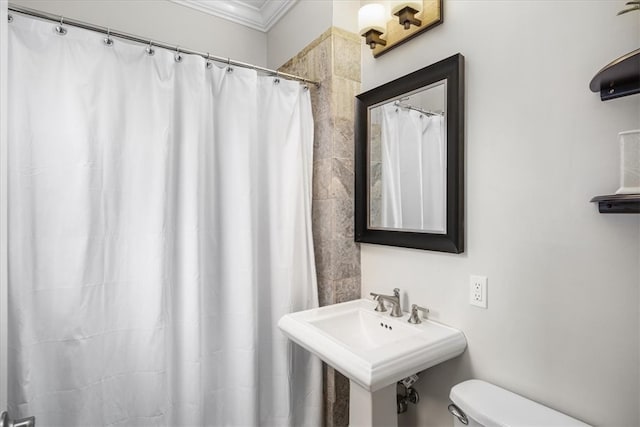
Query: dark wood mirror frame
(451, 69)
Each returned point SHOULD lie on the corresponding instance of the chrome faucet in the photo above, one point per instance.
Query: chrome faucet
(394, 299)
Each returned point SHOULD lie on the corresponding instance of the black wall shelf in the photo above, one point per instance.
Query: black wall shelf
(618, 203)
(619, 78)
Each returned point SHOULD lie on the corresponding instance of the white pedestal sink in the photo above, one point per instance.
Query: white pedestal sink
(373, 350)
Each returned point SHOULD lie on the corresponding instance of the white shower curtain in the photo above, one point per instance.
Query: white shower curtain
(413, 170)
(160, 225)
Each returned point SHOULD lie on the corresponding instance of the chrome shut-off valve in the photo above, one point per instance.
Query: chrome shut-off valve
(406, 394)
(5, 421)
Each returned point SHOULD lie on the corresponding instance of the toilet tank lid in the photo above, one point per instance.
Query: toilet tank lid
(491, 405)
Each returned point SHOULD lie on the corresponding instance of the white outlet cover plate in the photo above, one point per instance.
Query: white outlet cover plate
(478, 291)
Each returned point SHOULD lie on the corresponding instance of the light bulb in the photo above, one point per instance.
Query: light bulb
(372, 16)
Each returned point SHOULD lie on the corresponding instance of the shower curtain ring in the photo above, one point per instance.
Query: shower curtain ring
(208, 63)
(10, 18)
(60, 30)
(277, 79)
(108, 41)
(178, 55)
(229, 69)
(150, 51)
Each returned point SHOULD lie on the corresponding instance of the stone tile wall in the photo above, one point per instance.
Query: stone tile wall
(375, 165)
(334, 60)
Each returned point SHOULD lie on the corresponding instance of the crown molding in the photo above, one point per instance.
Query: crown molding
(262, 18)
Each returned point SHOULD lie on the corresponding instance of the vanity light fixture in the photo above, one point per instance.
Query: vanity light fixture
(408, 19)
(372, 23)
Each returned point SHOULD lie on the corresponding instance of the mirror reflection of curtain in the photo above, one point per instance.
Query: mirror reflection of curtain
(413, 170)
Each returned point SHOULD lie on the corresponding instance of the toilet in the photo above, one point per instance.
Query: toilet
(477, 403)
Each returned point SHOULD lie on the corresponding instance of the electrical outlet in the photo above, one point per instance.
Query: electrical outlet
(478, 291)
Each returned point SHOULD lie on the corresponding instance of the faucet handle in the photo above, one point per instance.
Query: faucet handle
(380, 307)
(415, 317)
(396, 292)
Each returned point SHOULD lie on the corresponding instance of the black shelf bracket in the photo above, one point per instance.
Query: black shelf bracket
(619, 78)
(618, 203)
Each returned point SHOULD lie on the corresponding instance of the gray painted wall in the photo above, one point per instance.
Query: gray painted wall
(562, 325)
(306, 21)
(301, 25)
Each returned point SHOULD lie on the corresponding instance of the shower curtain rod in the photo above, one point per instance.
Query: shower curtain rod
(126, 36)
(420, 110)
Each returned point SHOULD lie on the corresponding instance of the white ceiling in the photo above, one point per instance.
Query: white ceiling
(257, 14)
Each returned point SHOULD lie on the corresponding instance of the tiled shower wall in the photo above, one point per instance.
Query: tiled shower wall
(333, 59)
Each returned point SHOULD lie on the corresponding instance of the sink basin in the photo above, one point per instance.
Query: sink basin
(372, 349)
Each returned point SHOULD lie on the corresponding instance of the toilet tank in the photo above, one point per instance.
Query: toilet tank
(484, 404)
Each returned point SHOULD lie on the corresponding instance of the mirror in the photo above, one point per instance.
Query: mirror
(407, 148)
(410, 160)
